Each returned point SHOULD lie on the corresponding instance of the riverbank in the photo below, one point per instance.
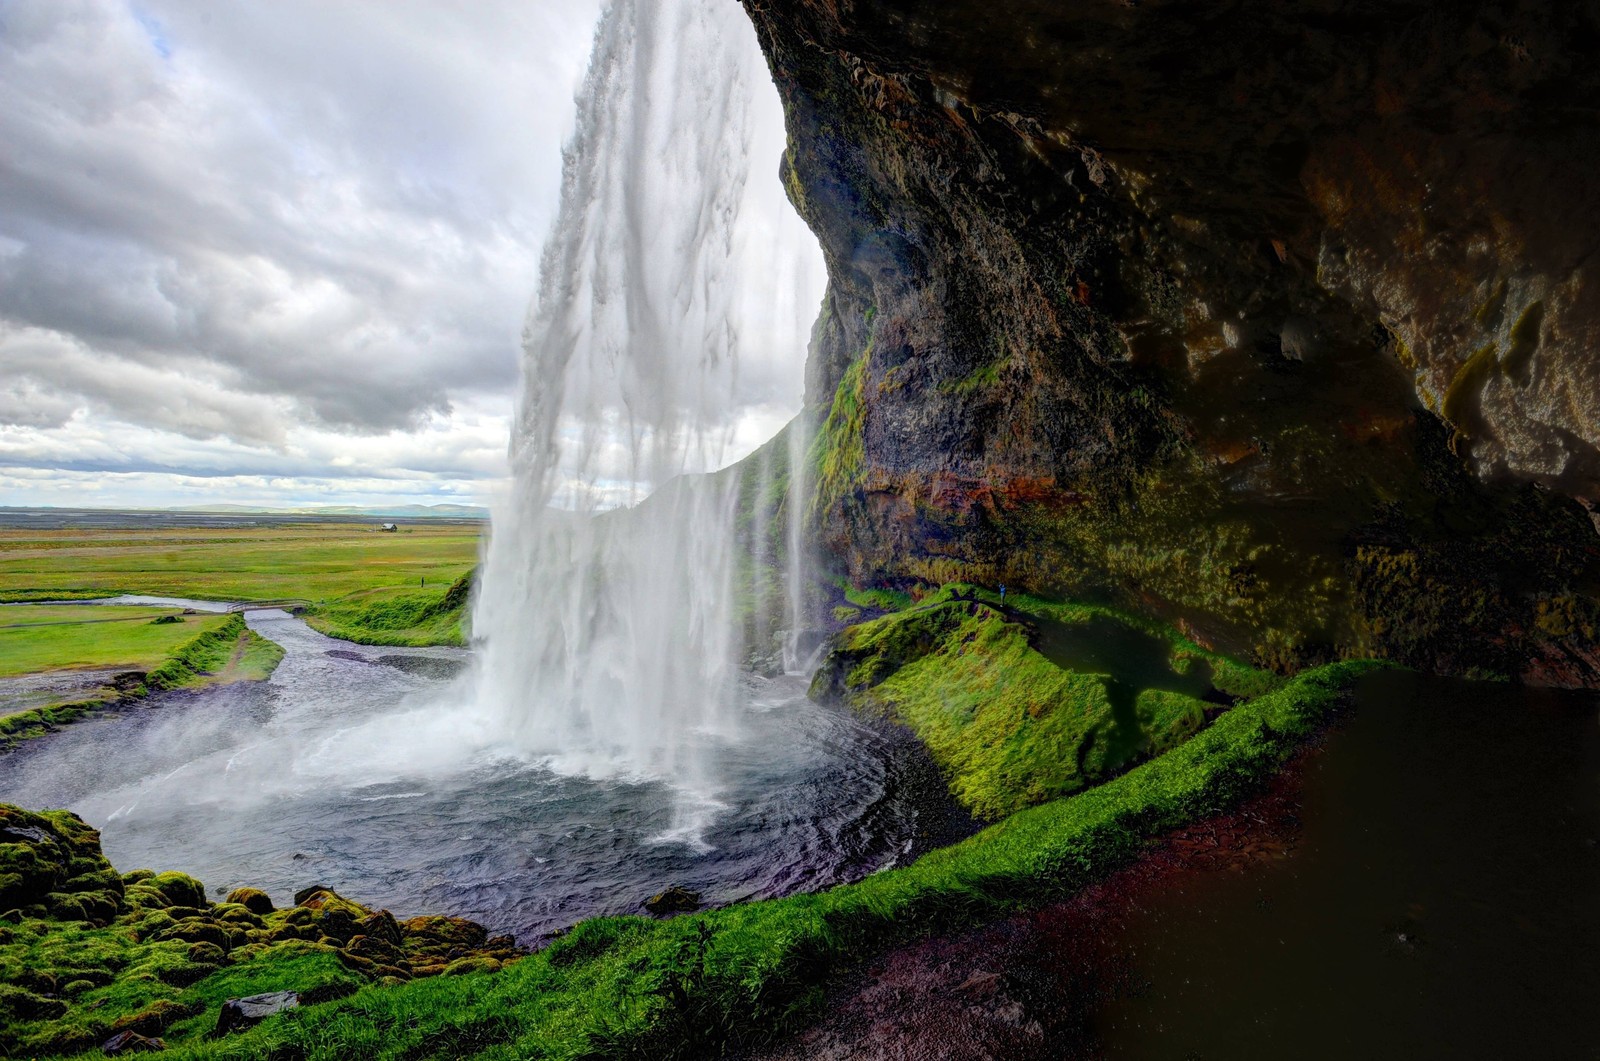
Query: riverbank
(63, 664)
(741, 975)
(401, 618)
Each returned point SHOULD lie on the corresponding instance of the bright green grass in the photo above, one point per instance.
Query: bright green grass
(1010, 727)
(398, 616)
(693, 986)
(315, 562)
(256, 660)
(37, 639)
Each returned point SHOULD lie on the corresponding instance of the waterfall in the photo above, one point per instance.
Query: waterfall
(606, 616)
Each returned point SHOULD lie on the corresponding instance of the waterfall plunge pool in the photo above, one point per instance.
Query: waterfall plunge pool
(350, 769)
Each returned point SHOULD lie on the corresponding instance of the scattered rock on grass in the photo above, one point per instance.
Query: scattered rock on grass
(241, 1013)
(675, 900)
(131, 1043)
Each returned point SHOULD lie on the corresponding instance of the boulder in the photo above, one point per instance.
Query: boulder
(301, 896)
(51, 864)
(157, 1017)
(130, 1042)
(179, 888)
(252, 899)
(19, 1003)
(454, 931)
(675, 900)
(462, 966)
(241, 1013)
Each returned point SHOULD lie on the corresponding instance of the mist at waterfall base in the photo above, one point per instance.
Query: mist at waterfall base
(293, 782)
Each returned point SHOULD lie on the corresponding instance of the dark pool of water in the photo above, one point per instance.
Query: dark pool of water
(352, 768)
(1442, 897)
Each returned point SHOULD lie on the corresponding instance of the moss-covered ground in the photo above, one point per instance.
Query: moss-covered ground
(86, 953)
(1029, 700)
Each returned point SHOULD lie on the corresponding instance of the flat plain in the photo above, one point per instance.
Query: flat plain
(313, 562)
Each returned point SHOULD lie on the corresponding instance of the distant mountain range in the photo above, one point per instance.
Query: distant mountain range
(393, 512)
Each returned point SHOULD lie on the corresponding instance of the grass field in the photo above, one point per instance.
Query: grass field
(35, 640)
(317, 562)
(361, 583)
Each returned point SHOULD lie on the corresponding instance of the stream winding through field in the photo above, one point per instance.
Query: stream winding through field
(343, 770)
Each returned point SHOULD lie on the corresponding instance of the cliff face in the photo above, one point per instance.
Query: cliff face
(1275, 320)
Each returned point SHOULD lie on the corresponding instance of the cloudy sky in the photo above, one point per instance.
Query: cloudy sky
(278, 253)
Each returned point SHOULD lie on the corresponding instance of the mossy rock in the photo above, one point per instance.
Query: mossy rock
(44, 856)
(196, 930)
(186, 975)
(253, 899)
(374, 949)
(382, 925)
(180, 889)
(157, 1017)
(238, 914)
(206, 953)
(455, 931)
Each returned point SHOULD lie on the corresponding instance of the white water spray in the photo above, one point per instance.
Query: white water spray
(608, 637)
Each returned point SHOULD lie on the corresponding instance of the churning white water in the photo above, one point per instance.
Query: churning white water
(676, 285)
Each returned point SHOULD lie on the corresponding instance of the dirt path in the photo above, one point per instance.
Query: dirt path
(230, 670)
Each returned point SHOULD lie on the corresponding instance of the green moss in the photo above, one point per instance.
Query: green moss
(1524, 340)
(983, 378)
(1461, 397)
(1023, 706)
(1175, 541)
(883, 600)
(90, 952)
(837, 453)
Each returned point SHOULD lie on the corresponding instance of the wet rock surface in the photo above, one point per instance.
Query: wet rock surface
(1266, 320)
(241, 1013)
(674, 900)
